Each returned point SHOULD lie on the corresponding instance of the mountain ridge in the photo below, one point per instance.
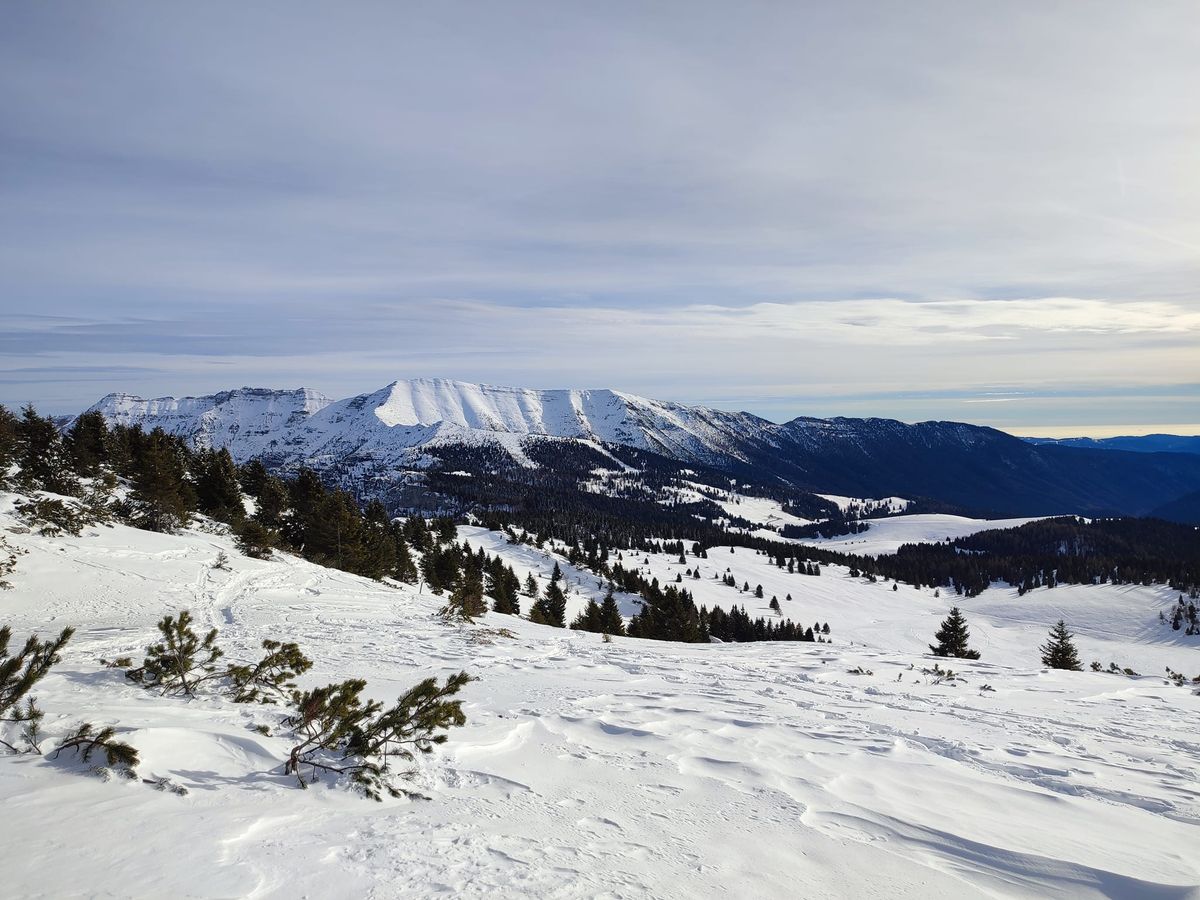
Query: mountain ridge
(402, 428)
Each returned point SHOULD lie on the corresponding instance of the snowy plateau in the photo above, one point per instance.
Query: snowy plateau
(626, 769)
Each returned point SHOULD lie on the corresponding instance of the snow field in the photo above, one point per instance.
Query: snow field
(630, 769)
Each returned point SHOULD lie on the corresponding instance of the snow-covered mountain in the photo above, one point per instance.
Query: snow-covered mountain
(412, 413)
(402, 426)
(248, 421)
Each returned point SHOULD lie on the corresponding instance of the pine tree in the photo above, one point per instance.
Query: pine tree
(42, 457)
(162, 497)
(589, 619)
(272, 502)
(256, 540)
(337, 733)
(181, 660)
(406, 569)
(531, 586)
(85, 741)
(503, 586)
(272, 678)
(253, 476)
(1059, 650)
(610, 614)
(466, 601)
(218, 491)
(19, 673)
(8, 443)
(551, 607)
(87, 443)
(953, 636)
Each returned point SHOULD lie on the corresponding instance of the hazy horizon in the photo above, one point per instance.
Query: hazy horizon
(923, 211)
(1043, 431)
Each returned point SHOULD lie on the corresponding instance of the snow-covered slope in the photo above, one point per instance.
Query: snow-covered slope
(887, 535)
(630, 769)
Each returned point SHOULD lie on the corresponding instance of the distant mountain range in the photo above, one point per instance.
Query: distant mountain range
(418, 426)
(1144, 443)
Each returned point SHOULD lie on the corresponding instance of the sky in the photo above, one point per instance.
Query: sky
(923, 210)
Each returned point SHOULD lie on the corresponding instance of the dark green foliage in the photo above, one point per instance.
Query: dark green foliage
(41, 455)
(668, 615)
(503, 587)
(253, 477)
(53, 517)
(163, 498)
(272, 678)
(440, 567)
(87, 443)
(218, 491)
(19, 672)
(377, 558)
(1059, 650)
(589, 619)
(405, 569)
(8, 443)
(85, 741)
(181, 660)
(953, 636)
(610, 614)
(272, 502)
(332, 531)
(602, 618)
(339, 733)
(551, 607)
(255, 539)
(466, 601)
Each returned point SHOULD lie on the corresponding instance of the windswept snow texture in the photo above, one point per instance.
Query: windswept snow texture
(625, 770)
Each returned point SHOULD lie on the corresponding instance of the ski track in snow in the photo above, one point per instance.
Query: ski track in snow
(630, 769)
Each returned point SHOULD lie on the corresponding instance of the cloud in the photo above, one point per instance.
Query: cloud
(680, 199)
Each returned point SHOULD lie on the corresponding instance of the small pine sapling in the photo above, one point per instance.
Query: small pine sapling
(272, 678)
(85, 740)
(340, 734)
(19, 673)
(181, 660)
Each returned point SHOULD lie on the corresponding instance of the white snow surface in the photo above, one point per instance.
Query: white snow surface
(888, 534)
(630, 769)
(895, 504)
